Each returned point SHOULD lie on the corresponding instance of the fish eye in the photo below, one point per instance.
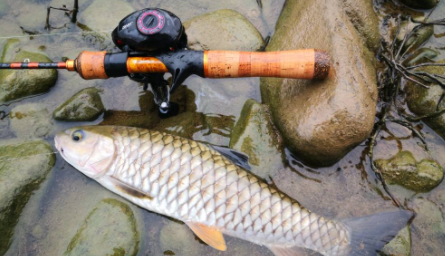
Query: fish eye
(78, 135)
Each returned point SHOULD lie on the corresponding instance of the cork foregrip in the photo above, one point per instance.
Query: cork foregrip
(90, 65)
(298, 64)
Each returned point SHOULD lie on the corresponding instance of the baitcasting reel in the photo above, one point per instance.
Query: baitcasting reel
(146, 33)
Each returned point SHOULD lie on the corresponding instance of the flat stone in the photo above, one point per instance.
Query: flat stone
(255, 135)
(399, 245)
(178, 239)
(110, 229)
(403, 170)
(23, 166)
(321, 121)
(15, 84)
(222, 30)
(86, 105)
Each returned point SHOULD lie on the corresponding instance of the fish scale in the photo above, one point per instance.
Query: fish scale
(192, 182)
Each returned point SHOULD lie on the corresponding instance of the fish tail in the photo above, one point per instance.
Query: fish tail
(370, 233)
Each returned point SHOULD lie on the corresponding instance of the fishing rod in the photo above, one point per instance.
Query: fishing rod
(153, 42)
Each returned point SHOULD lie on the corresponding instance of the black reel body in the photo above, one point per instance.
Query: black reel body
(149, 30)
(158, 33)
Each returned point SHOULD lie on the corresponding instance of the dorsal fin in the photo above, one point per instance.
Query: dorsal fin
(208, 235)
(238, 158)
(129, 190)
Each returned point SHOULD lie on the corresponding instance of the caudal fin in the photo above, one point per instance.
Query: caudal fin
(369, 234)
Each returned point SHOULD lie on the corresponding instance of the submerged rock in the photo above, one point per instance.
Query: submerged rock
(399, 245)
(23, 167)
(86, 105)
(255, 135)
(404, 170)
(15, 84)
(422, 101)
(178, 239)
(31, 120)
(321, 121)
(420, 4)
(110, 229)
(222, 30)
(105, 14)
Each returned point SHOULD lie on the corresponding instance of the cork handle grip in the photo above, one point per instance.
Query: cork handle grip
(299, 64)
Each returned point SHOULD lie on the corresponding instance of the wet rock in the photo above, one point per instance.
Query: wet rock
(105, 14)
(32, 16)
(271, 10)
(422, 101)
(421, 56)
(255, 135)
(178, 239)
(85, 105)
(321, 121)
(222, 30)
(429, 224)
(23, 167)
(22, 83)
(399, 245)
(418, 37)
(110, 229)
(362, 15)
(420, 4)
(31, 120)
(404, 170)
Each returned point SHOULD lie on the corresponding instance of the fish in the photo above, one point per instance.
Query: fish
(210, 190)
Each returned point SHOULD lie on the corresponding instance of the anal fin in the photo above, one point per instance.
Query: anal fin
(209, 235)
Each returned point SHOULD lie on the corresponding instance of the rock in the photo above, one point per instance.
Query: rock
(222, 30)
(271, 10)
(86, 105)
(362, 15)
(110, 229)
(418, 38)
(31, 120)
(422, 101)
(321, 121)
(179, 239)
(429, 224)
(23, 167)
(421, 56)
(32, 17)
(420, 4)
(399, 245)
(403, 170)
(15, 84)
(255, 135)
(105, 14)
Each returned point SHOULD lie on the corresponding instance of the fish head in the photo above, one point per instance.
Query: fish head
(90, 149)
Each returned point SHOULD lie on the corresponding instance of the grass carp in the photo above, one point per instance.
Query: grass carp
(208, 190)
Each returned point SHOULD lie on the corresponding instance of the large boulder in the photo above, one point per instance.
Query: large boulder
(321, 121)
(227, 29)
(255, 135)
(86, 105)
(110, 229)
(15, 84)
(23, 166)
(404, 170)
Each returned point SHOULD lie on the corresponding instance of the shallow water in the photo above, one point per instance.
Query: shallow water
(56, 211)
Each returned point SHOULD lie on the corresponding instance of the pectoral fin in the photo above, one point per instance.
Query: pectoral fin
(127, 189)
(209, 235)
